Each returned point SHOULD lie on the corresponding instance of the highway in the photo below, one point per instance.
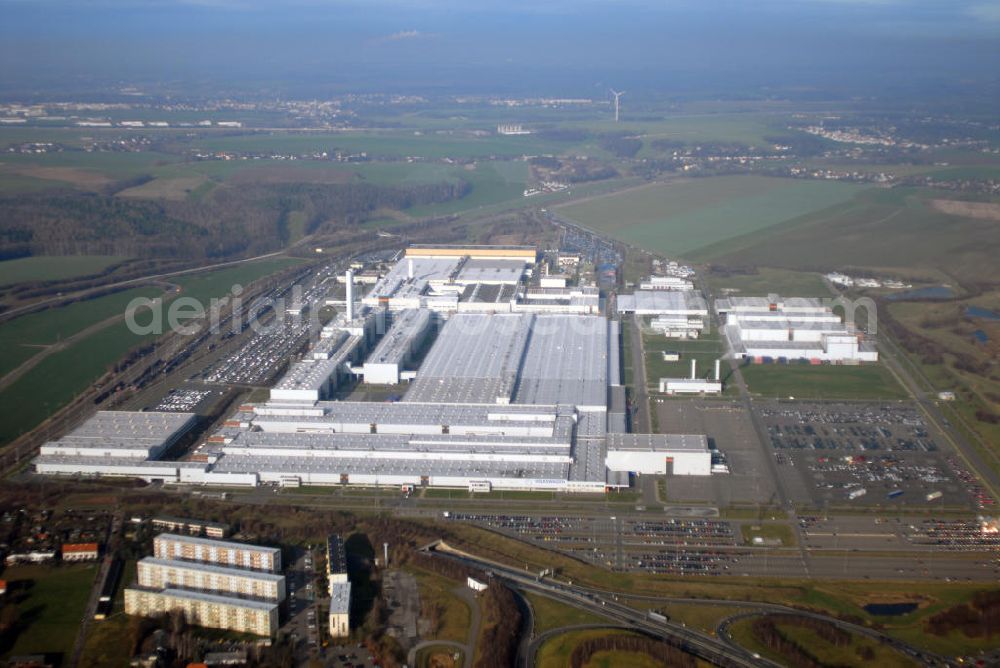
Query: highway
(722, 651)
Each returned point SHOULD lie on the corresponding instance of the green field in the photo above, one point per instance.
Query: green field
(50, 613)
(690, 214)
(551, 614)
(22, 337)
(766, 281)
(58, 378)
(50, 268)
(895, 230)
(804, 381)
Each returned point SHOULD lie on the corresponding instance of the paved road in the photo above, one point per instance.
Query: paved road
(694, 642)
(604, 602)
(641, 422)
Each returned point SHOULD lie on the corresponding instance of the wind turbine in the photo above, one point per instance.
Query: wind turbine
(618, 96)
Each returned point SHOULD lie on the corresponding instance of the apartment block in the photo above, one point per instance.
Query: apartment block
(155, 573)
(224, 553)
(219, 612)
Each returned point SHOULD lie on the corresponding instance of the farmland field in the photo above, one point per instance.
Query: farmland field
(896, 229)
(687, 215)
(55, 380)
(51, 268)
(23, 337)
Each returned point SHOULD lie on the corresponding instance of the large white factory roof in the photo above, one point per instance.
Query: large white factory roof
(516, 358)
(668, 302)
(397, 284)
(397, 343)
(491, 271)
(657, 442)
(127, 433)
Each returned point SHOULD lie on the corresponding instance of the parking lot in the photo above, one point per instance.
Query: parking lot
(727, 424)
(184, 400)
(864, 454)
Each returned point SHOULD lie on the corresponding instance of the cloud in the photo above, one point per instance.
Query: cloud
(401, 36)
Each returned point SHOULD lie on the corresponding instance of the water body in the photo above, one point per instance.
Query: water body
(980, 312)
(932, 292)
(890, 609)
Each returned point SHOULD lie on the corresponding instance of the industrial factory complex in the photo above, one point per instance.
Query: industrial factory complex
(502, 386)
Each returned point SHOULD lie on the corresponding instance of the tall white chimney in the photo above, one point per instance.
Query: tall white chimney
(349, 281)
(717, 376)
(385, 554)
(409, 268)
(692, 369)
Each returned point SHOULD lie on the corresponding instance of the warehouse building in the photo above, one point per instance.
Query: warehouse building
(408, 331)
(670, 454)
(222, 552)
(795, 328)
(122, 434)
(209, 610)
(156, 573)
(686, 303)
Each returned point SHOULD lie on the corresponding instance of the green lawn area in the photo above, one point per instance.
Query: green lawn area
(768, 532)
(19, 337)
(492, 183)
(804, 381)
(689, 214)
(556, 651)
(453, 614)
(896, 231)
(52, 268)
(50, 613)
(826, 652)
(551, 614)
(766, 281)
(66, 373)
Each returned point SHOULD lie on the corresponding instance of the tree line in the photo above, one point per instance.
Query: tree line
(232, 220)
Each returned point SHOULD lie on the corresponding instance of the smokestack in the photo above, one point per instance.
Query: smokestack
(409, 268)
(717, 364)
(692, 369)
(385, 555)
(349, 280)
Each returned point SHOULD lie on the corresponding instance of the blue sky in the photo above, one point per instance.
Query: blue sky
(451, 44)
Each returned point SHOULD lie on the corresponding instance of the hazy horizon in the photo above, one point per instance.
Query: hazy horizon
(306, 48)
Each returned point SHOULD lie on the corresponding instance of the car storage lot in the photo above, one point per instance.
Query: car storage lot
(865, 454)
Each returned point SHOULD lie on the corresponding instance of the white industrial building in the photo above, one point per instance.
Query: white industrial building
(687, 304)
(666, 283)
(794, 328)
(693, 384)
(670, 454)
(514, 393)
(385, 364)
